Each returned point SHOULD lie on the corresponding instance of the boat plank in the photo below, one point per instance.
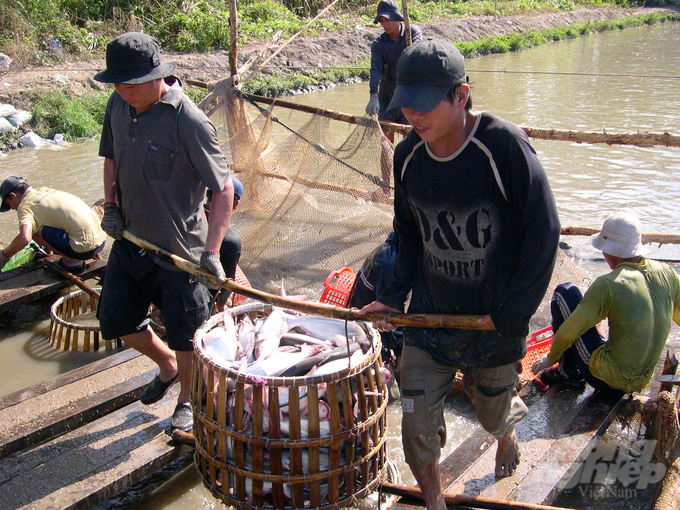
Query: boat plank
(563, 459)
(549, 418)
(71, 376)
(86, 466)
(74, 414)
(26, 284)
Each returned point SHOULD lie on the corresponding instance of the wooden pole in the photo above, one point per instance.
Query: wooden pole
(644, 139)
(414, 494)
(407, 23)
(640, 139)
(647, 237)
(72, 278)
(233, 41)
(403, 319)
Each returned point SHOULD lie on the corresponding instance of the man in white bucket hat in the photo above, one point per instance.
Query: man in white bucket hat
(639, 298)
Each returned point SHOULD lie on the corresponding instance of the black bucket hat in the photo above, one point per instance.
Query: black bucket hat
(134, 58)
(426, 71)
(390, 10)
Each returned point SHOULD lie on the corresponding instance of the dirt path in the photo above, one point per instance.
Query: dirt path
(335, 49)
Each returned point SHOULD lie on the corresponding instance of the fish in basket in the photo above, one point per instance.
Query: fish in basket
(289, 409)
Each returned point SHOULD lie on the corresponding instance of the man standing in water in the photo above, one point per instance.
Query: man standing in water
(385, 51)
(161, 152)
(478, 234)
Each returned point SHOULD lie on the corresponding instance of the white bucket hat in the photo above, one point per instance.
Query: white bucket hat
(621, 236)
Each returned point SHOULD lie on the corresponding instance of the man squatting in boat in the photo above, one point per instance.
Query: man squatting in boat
(639, 298)
(161, 153)
(478, 234)
(54, 219)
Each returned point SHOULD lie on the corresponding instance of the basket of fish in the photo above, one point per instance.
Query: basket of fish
(74, 325)
(289, 409)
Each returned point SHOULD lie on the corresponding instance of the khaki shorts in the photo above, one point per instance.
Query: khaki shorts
(424, 386)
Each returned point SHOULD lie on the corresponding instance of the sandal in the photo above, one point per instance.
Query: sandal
(71, 269)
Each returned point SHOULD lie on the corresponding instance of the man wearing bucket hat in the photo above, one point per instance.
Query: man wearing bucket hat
(639, 298)
(385, 52)
(478, 234)
(54, 219)
(161, 153)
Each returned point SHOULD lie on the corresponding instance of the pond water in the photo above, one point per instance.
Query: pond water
(621, 81)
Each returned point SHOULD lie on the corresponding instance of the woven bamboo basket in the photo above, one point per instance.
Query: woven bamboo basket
(67, 334)
(318, 464)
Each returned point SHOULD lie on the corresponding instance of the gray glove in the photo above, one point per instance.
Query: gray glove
(541, 364)
(112, 222)
(373, 105)
(3, 260)
(210, 261)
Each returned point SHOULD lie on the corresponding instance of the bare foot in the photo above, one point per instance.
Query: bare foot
(507, 454)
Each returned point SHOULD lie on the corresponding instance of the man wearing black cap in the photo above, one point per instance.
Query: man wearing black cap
(478, 233)
(54, 219)
(161, 153)
(385, 52)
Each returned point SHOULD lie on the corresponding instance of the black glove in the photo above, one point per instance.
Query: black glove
(210, 261)
(112, 222)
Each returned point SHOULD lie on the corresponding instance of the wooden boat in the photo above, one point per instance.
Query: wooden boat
(34, 280)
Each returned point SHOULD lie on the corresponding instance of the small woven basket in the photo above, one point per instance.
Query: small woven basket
(67, 334)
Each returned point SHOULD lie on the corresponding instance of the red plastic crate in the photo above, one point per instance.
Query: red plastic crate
(241, 279)
(337, 287)
(538, 345)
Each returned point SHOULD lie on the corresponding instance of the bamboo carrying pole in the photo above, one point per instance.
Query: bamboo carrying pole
(464, 501)
(337, 312)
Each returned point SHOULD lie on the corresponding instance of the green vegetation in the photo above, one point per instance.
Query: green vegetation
(517, 42)
(40, 32)
(43, 31)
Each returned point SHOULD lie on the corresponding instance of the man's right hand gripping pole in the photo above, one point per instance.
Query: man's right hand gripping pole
(112, 221)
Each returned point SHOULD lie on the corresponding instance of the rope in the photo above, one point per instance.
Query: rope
(364, 68)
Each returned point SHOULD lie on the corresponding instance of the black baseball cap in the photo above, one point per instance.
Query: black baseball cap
(134, 58)
(6, 188)
(426, 71)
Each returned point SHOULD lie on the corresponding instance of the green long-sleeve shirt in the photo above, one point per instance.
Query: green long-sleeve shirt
(639, 301)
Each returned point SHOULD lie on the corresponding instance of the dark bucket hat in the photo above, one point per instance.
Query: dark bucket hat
(134, 58)
(426, 71)
(6, 188)
(390, 10)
